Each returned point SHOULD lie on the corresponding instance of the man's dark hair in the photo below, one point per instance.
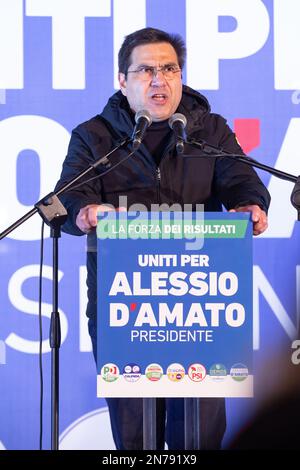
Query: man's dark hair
(149, 36)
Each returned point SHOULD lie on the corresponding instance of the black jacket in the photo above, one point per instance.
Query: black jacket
(212, 181)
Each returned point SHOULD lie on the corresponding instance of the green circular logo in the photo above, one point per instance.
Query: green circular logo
(239, 372)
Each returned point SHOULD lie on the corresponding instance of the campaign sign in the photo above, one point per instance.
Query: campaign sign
(174, 305)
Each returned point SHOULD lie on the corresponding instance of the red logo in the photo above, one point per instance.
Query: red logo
(196, 372)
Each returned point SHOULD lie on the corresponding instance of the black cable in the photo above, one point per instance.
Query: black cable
(239, 157)
(213, 151)
(41, 335)
(101, 174)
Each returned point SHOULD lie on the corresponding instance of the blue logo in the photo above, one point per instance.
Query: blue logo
(132, 372)
(218, 372)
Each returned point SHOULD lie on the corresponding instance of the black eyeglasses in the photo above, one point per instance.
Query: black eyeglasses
(147, 72)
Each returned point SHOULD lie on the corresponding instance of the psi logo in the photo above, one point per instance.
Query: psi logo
(196, 372)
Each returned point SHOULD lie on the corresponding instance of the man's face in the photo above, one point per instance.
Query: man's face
(158, 95)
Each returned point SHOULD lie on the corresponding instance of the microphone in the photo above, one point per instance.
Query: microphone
(143, 120)
(177, 122)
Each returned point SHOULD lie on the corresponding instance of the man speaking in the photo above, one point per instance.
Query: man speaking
(151, 93)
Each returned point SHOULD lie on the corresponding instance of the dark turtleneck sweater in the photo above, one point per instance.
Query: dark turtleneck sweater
(156, 139)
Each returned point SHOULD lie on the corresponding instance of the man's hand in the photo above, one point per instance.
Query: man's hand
(86, 218)
(259, 217)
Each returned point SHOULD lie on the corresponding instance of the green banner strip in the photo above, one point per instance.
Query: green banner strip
(166, 229)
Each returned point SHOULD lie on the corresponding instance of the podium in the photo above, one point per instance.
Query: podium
(174, 309)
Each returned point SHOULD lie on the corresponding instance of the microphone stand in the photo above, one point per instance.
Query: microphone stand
(214, 151)
(54, 214)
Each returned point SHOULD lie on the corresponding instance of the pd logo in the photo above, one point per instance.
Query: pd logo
(196, 372)
(110, 372)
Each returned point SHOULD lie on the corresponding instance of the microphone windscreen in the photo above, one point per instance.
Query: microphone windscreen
(143, 113)
(177, 117)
